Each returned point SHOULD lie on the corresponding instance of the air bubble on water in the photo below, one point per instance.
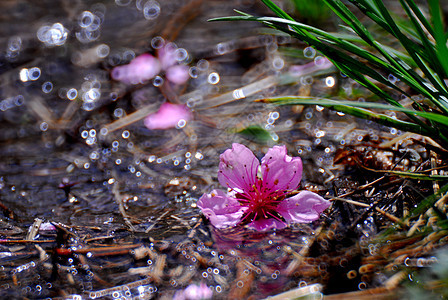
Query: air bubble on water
(118, 112)
(34, 73)
(15, 44)
(309, 52)
(203, 65)
(85, 19)
(47, 87)
(340, 113)
(157, 81)
(90, 140)
(238, 94)
(54, 35)
(199, 156)
(91, 95)
(213, 78)
(393, 131)
(94, 155)
(218, 289)
(157, 42)
(92, 132)
(278, 63)
(102, 51)
(125, 134)
(72, 94)
(193, 71)
(151, 10)
(392, 79)
(330, 81)
(104, 131)
(308, 115)
(362, 285)
(221, 48)
(181, 124)
(306, 80)
(181, 54)
(43, 126)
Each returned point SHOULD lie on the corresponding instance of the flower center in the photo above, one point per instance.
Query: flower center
(261, 203)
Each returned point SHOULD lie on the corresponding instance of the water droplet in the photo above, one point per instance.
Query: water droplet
(181, 54)
(330, 81)
(157, 81)
(151, 10)
(43, 126)
(278, 63)
(309, 52)
(118, 112)
(47, 87)
(72, 94)
(125, 134)
(213, 78)
(157, 42)
(181, 124)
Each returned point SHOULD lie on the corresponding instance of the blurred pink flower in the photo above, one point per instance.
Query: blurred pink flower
(140, 69)
(145, 67)
(168, 116)
(259, 194)
(194, 292)
(175, 72)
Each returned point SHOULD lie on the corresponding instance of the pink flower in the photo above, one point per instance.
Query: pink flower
(140, 69)
(194, 292)
(175, 72)
(145, 67)
(260, 194)
(168, 116)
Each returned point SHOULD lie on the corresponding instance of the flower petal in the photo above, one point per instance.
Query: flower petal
(168, 116)
(221, 210)
(280, 171)
(304, 207)
(167, 55)
(177, 74)
(238, 168)
(267, 224)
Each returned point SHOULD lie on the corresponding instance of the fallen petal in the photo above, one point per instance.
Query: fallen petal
(304, 207)
(281, 171)
(178, 74)
(221, 210)
(238, 168)
(168, 116)
(267, 224)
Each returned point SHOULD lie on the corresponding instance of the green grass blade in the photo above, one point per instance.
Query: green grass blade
(441, 119)
(439, 34)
